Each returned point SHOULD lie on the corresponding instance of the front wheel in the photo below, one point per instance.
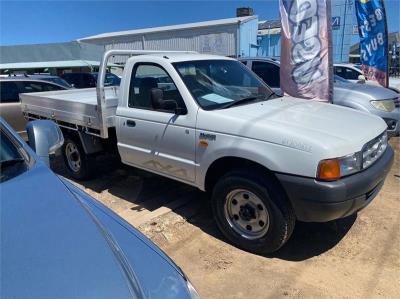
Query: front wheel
(252, 211)
(79, 165)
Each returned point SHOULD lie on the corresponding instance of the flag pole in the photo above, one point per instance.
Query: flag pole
(386, 45)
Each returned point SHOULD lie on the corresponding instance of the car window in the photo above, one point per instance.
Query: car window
(50, 87)
(88, 81)
(346, 73)
(58, 81)
(144, 78)
(12, 162)
(32, 86)
(112, 80)
(351, 74)
(74, 79)
(269, 72)
(9, 92)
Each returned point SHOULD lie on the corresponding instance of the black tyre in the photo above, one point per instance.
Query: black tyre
(78, 164)
(252, 211)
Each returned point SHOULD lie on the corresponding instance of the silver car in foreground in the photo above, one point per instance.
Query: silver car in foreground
(58, 242)
(376, 100)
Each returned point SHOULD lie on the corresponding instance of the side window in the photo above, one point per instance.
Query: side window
(32, 86)
(243, 61)
(9, 92)
(351, 74)
(144, 78)
(50, 87)
(269, 72)
(88, 80)
(338, 71)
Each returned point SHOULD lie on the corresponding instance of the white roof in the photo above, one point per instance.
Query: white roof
(170, 28)
(179, 57)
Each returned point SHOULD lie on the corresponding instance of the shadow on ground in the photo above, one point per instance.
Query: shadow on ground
(150, 191)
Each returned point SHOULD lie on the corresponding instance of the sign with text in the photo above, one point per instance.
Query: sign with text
(335, 23)
(372, 28)
(306, 51)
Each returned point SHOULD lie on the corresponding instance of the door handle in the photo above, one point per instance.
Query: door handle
(131, 123)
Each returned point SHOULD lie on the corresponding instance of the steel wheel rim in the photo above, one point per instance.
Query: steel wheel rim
(246, 214)
(73, 157)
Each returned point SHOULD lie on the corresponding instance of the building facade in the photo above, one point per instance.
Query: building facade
(227, 37)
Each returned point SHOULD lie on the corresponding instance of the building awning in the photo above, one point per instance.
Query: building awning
(51, 64)
(269, 31)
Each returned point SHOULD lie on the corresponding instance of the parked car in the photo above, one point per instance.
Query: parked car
(265, 160)
(89, 80)
(353, 73)
(42, 77)
(61, 243)
(10, 105)
(53, 79)
(376, 100)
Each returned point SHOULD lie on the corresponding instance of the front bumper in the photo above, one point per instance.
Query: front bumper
(392, 120)
(317, 201)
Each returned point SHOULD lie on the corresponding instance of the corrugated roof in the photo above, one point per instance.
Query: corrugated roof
(269, 24)
(170, 28)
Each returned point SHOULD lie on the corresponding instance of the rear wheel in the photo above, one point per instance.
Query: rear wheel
(252, 211)
(79, 165)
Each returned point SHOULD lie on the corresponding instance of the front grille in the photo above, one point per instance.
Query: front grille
(374, 149)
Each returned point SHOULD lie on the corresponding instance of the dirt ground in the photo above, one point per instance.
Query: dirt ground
(356, 257)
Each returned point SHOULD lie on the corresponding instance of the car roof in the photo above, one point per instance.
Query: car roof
(181, 57)
(27, 76)
(267, 59)
(4, 79)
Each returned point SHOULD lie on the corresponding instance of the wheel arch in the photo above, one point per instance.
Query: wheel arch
(223, 165)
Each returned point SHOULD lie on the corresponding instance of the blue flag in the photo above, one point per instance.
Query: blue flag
(372, 28)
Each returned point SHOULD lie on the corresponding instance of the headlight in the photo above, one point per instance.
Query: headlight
(333, 169)
(192, 291)
(374, 149)
(384, 105)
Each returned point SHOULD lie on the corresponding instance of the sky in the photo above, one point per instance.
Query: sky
(33, 22)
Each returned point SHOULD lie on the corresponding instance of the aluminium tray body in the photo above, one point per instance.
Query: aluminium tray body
(74, 106)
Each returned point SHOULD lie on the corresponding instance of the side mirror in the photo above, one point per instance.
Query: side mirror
(45, 137)
(157, 99)
(278, 92)
(361, 79)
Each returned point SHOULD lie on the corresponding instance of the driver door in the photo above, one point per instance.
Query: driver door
(152, 138)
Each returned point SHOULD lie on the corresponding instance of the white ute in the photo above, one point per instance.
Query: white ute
(210, 122)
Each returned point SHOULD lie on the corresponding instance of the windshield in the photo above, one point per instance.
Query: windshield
(337, 78)
(217, 83)
(12, 162)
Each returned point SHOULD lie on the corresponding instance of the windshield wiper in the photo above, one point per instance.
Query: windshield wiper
(248, 99)
(11, 162)
(240, 101)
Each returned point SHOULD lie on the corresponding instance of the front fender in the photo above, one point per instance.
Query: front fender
(275, 157)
